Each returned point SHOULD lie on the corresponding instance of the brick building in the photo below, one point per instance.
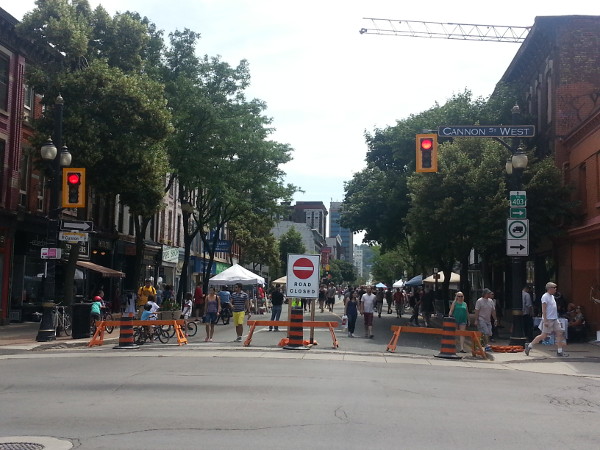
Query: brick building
(557, 70)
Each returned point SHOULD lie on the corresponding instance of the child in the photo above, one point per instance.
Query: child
(96, 307)
(187, 306)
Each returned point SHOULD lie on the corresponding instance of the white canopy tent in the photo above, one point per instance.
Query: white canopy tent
(281, 280)
(454, 279)
(398, 284)
(236, 274)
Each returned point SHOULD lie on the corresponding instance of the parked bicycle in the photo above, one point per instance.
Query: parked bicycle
(189, 328)
(61, 319)
(150, 333)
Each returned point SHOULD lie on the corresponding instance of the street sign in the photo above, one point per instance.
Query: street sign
(71, 236)
(518, 213)
(518, 199)
(482, 131)
(517, 247)
(517, 229)
(303, 276)
(75, 225)
(51, 253)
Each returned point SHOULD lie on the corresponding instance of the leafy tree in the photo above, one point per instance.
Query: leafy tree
(388, 267)
(115, 119)
(290, 243)
(253, 234)
(347, 271)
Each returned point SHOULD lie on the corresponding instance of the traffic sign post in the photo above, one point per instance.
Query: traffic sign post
(76, 225)
(518, 199)
(303, 276)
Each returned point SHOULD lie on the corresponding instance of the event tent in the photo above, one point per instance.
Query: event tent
(282, 280)
(454, 278)
(236, 274)
(415, 281)
(380, 285)
(398, 284)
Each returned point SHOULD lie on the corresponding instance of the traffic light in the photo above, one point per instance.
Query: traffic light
(426, 152)
(73, 188)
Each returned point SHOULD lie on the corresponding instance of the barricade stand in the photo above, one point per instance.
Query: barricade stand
(296, 330)
(126, 334)
(448, 347)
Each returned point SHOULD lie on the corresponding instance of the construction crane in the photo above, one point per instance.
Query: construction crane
(439, 30)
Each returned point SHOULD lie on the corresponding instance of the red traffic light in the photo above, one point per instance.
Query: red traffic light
(426, 144)
(73, 178)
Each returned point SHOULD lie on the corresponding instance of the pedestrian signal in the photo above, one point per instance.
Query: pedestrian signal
(426, 156)
(73, 185)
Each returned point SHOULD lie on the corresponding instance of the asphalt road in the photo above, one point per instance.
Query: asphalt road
(180, 397)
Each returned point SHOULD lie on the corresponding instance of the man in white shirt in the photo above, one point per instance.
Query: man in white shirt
(485, 309)
(550, 322)
(367, 305)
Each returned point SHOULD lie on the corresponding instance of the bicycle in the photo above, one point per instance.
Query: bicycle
(61, 320)
(189, 328)
(105, 315)
(149, 332)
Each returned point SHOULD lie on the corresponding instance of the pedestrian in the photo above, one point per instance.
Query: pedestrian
(188, 304)
(211, 316)
(198, 301)
(367, 307)
(427, 306)
(485, 310)
(379, 301)
(225, 298)
(550, 323)
(459, 311)
(527, 313)
(351, 312)
(331, 291)
(153, 305)
(96, 309)
(415, 304)
(143, 293)
(389, 298)
(276, 306)
(322, 295)
(241, 307)
(399, 302)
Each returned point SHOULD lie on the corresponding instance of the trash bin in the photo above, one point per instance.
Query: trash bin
(80, 316)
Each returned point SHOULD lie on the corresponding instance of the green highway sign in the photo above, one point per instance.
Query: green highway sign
(518, 213)
(518, 199)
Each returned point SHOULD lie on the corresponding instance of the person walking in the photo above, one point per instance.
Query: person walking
(331, 291)
(367, 307)
(527, 313)
(211, 316)
(276, 306)
(389, 300)
(322, 295)
(459, 311)
(550, 323)
(485, 310)
(415, 304)
(427, 307)
(241, 306)
(351, 312)
(399, 302)
(379, 301)
(198, 301)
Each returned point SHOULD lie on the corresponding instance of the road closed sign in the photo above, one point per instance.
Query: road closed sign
(303, 276)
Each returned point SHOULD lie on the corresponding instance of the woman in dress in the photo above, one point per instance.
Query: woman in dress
(351, 311)
(211, 316)
(459, 311)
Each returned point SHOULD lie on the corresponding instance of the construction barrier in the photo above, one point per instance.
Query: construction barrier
(281, 323)
(295, 330)
(126, 325)
(448, 347)
(476, 348)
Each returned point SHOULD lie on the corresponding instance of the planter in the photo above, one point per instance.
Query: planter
(169, 315)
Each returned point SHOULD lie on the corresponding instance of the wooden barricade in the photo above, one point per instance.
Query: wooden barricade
(281, 323)
(476, 348)
(98, 338)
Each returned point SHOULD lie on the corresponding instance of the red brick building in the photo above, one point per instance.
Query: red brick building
(557, 70)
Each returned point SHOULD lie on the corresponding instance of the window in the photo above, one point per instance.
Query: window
(24, 178)
(4, 71)
(28, 102)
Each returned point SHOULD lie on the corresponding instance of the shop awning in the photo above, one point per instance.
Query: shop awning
(105, 271)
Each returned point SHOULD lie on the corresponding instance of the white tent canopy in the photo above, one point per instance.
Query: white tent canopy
(398, 284)
(454, 278)
(236, 274)
(282, 280)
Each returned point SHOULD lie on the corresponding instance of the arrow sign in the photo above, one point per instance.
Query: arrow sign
(76, 225)
(518, 213)
(517, 247)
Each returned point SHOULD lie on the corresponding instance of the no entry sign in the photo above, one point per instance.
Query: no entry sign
(303, 276)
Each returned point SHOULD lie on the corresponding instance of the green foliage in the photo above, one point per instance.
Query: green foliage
(345, 269)
(290, 243)
(388, 267)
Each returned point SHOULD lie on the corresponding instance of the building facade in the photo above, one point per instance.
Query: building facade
(335, 229)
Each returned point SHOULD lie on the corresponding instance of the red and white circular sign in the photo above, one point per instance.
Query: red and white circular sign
(303, 268)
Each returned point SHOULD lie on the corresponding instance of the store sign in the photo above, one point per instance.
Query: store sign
(170, 254)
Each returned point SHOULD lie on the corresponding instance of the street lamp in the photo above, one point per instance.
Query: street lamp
(515, 167)
(56, 161)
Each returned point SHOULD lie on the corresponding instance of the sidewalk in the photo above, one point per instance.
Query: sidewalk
(23, 335)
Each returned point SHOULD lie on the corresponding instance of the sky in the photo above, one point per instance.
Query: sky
(325, 84)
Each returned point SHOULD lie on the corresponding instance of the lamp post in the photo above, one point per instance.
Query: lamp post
(56, 160)
(514, 168)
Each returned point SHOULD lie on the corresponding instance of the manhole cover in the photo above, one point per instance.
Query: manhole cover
(21, 446)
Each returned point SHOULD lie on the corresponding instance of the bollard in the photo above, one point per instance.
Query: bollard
(296, 330)
(126, 333)
(448, 349)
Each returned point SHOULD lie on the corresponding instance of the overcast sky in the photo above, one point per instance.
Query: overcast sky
(324, 83)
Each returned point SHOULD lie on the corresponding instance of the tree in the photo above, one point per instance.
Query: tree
(290, 243)
(115, 116)
(388, 267)
(346, 270)
(257, 244)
